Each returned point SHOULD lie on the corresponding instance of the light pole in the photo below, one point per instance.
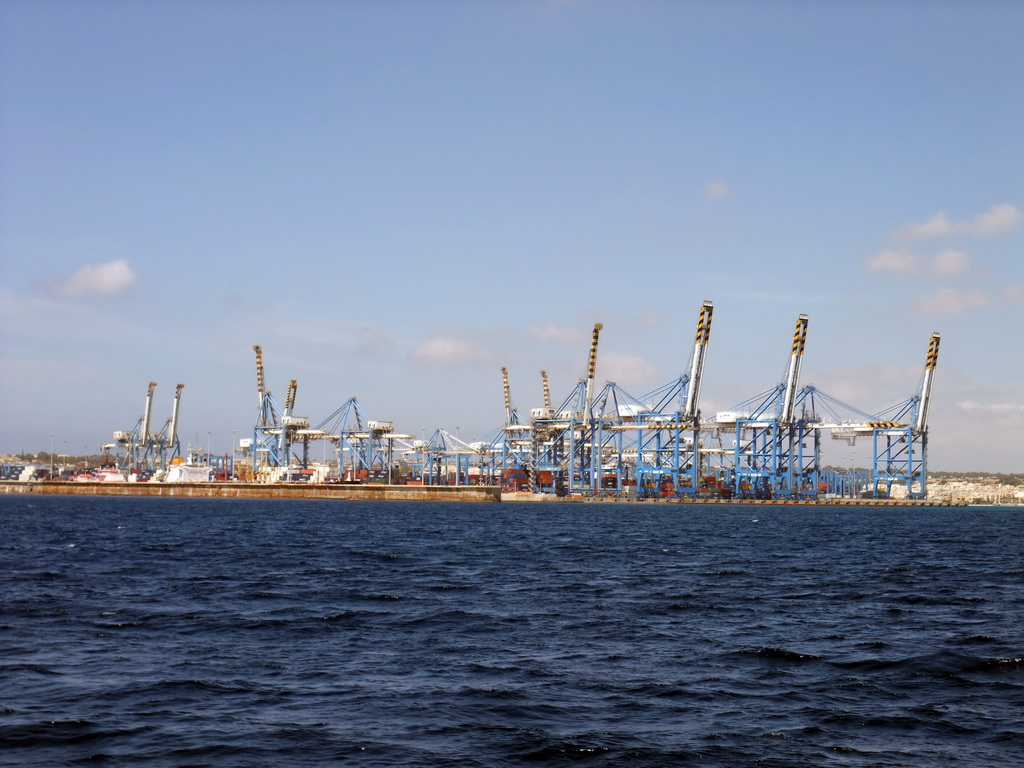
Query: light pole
(51, 455)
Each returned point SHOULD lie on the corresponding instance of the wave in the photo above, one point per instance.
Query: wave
(778, 654)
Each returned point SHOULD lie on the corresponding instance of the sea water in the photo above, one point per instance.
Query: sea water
(172, 632)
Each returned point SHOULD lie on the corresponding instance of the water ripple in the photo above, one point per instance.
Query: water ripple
(192, 632)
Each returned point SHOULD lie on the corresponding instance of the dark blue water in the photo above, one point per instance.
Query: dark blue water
(160, 632)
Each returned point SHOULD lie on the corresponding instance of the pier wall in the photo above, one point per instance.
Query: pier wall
(478, 493)
(374, 492)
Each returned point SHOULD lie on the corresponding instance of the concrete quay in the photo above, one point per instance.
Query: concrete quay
(339, 492)
(381, 492)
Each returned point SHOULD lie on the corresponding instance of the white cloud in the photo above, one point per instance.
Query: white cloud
(363, 341)
(943, 265)
(716, 190)
(1012, 294)
(948, 301)
(899, 261)
(938, 225)
(449, 351)
(109, 279)
(559, 334)
(651, 320)
(972, 407)
(950, 263)
(626, 370)
(998, 220)
(951, 302)
(374, 344)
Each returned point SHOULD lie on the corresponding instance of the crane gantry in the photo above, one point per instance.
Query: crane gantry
(604, 441)
(776, 447)
(667, 427)
(276, 430)
(144, 449)
(900, 445)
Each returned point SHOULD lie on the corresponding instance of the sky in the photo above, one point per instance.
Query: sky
(397, 199)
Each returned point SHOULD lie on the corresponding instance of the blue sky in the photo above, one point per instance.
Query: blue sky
(396, 199)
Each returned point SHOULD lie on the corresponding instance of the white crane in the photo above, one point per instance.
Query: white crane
(691, 411)
(144, 435)
(591, 366)
(789, 397)
(921, 424)
(172, 432)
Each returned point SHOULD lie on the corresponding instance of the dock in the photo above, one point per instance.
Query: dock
(382, 492)
(339, 492)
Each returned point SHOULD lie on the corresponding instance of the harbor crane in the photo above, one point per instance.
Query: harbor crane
(137, 443)
(365, 446)
(900, 444)
(266, 439)
(146, 438)
(276, 430)
(445, 458)
(145, 449)
(170, 446)
(667, 429)
(565, 443)
(899, 438)
(777, 444)
(514, 439)
(768, 447)
(585, 442)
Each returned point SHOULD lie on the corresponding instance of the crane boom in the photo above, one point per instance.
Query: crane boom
(172, 436)
(259, 371)
(547, 390)
(691, 410)
(259, 383)
(591, 366)
(508, 396)
(921, 425)
(799, 339)
(144, 433)
(289, 400)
